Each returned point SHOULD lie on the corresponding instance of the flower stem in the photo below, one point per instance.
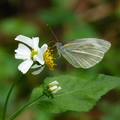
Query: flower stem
(8, 96)
(24, 108)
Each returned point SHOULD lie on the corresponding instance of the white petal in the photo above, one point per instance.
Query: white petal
(53, 88)
(36, 43)
(22, 49)
(28, 41)
(39, 58)
(35, 66)
(25, 66)
(38, 71)
(44, 48)
(53, 83)
(56, 90)
(22, 52)
(23, 57)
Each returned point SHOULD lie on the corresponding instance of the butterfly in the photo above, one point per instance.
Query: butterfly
(83, 53)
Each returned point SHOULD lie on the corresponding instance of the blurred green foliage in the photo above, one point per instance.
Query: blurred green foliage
(69, 19)
(18, 26)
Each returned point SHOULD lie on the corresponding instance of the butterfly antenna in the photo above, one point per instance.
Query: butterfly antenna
(52, 33)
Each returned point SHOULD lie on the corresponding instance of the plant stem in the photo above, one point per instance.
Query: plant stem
(25, 107)
(8, 96)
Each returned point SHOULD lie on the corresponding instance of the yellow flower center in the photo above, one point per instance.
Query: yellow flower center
(34, 53)
(48, 58)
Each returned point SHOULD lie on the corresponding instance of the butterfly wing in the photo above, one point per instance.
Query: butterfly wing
(84, 53)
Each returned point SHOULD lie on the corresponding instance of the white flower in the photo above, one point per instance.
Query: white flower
(53, 83)
(53, 88)
(30, 56)
(56, 90)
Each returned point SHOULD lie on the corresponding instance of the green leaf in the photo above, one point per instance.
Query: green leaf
(77, 94)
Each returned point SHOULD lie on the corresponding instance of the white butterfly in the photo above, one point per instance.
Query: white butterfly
(83, 53)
